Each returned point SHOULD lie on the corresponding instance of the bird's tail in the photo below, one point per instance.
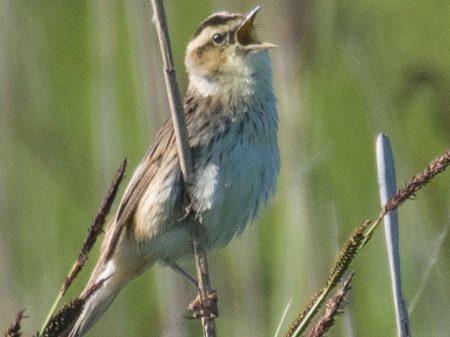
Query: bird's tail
(100, 292)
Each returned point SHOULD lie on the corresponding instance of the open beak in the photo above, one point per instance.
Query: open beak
(246, 37)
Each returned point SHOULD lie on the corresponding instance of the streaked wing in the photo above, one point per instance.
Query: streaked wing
(142, 178)
(159, 154)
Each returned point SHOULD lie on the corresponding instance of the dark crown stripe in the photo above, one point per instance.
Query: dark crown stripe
(216, 20)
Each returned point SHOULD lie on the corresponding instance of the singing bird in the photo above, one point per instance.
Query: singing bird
(231, 116)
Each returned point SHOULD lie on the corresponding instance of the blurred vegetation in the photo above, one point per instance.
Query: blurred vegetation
(81, 89)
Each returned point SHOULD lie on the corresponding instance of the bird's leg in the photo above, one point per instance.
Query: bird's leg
(192, 280)
(208, 307)
(198, 310)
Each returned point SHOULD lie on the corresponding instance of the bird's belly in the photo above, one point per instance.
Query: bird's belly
(231, 187)
(227, 195)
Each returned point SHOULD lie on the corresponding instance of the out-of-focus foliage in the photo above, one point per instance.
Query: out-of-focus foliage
(81, 88)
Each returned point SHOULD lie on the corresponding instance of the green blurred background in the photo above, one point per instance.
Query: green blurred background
(81, 88)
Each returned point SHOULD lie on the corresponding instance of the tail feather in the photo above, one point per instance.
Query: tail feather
(93, 310)
(99, 301)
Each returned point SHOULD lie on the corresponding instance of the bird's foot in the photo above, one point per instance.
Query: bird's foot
(207, 308)
(190, 211)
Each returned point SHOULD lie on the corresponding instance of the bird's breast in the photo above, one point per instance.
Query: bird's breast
(236, 172)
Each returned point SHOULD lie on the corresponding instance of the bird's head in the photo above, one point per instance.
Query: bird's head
(224, 51)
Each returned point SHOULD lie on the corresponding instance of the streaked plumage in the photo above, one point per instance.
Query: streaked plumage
(232, 123)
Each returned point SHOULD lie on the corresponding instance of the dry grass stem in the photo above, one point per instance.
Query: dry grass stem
(418, 181)
(359, 238)
(14, 329)
(343, 260)
(173, 93)
(186, 162)
(332, 308)
(95, 228)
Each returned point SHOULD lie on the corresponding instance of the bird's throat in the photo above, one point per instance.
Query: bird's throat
(203, 86)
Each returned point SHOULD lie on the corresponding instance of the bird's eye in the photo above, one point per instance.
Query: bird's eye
(218, 38)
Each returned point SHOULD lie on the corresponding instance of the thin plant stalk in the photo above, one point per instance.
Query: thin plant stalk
(95, 229)
(432, 261)
(388, 188)
(185, 158)
(333, 308)
(361, 236)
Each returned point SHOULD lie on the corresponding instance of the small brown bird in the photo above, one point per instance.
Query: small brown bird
(232, 123)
